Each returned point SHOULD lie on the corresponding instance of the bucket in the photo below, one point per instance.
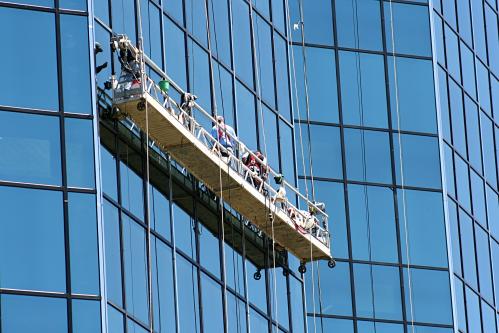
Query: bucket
(164, 85)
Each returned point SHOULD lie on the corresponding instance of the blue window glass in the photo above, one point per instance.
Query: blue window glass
(86, 316)
(431, 297)
(332, 325)
(30, 148)
(420, 157)
(134, 327)
(242, 41)
(468, 248)
(326, 151)
(282, 76)
(439, 40)
(234, 263)
(209, 250)
(467, 60)
(224, 93)
(75, 63)
(263, 6)
(32, 240)
(257, 322)
(256, 288)
(454, 236)
(268, 136)
(131, 190)
(102, 36)
(195, 15)
(484, 271)
(464, 17)
(108, 173)
(185, 237)
(473, 311)
(444, 104)
(333, 282)
(494, 247)
(114, 321)
(482, 75)
(318, 22)
(495, 95)
(372, 227)
(452, 51)
(367, 156)
(83, 243)
(489, 160)
(478, 198)
(246, 115)
(79, 153)
(493, 211)
(449, 11)
(175, 52)
(297, 313)
(423, 215)
(457, 115)
(460, 308)
(488, 315)
(279, 298)
(321, 75)
(212, 306)
(175, 8)
(411, 29)
(45, 314)
(123, 13)
(287, 152)
(278, 14)
(134, 255)
(265, 65)
(416, 95)
(162, 287)
(449, 171)
(428, 329)
(479, 35)
(188, 298)
(463, 183)
(473, 133)
(359, 24)
(219, 28)
(160, 212)
(369, 327)
(151, 32)
(76, 5)
(236, 314)
(363, 90)
(113, 256)
(377, 292)
(199, 74)
(18, 26)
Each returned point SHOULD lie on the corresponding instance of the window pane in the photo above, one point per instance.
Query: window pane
(18, 26)
(236, 317)
(468, 248)
(318, 22)
(332, 325)
(372, 210)
(423, 215)
(457, 115)
(368, 156)
(369, 327)
(188, 299)
(114, 321)
(79, 153)
(113, 253)
(131, 190)
(282, 76)
(411, 29)
(32, 240)
(30, 148)
(199, 74)
(420, 156)
(296, 300)
(363, 90)
(185, 237)
(75, 63)
(86, 316)
(209, 250)
(430, 296)
(212, 306)
(257, 293)
(483, 256)
(416, 95)
(242, 41)
(160, 212)
(123, 13)
(108, 170)
(246, 115)
(263, 41)
(45, 314)
(175, 52)
(83, 243)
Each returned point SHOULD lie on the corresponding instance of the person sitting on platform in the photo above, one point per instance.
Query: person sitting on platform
(225, 135)
(258, 170)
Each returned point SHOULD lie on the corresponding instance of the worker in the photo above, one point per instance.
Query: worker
(187, 102)
(225, 135)
(257, 171)
(280, 196)
(305, 220)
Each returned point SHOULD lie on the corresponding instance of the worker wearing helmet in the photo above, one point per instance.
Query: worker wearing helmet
(225, 135)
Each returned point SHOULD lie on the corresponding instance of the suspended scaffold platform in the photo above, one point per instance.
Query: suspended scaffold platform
(185, 132)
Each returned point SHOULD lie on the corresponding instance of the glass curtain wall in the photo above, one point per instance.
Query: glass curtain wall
(49, 266)
(466, 44)
(367, 143)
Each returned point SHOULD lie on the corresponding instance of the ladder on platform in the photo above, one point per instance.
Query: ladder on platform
(185, 133)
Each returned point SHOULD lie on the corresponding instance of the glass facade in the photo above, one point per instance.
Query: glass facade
(385, 110)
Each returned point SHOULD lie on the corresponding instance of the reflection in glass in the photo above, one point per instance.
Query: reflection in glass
(86, 316)
(112, 253)
(212, 306)
(79, 153)
(188, 298)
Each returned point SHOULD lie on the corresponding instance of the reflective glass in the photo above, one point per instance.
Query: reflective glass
(175, 8)
(18, 26)
(359, 24)
(162, 287)
(457, 115)
(452, 51)
(484, 270)
(101, 11)
(367, 156)
(479, 35)
(415, 95)
(369, 327)
(114, 321)
(336, 296)
(372, 227)
(467, 59)
(377, 292)
(188, 298)
(462, 183)
(473, 133)
(113, 253)
(209, 250)
(151, 31)
(246, 115)
(473, 311)
(460, 307)
(296, 303)
(268, 136)
(195, 15)
(363, 90)
(256, 288)
(236, 314)
(133, 327)
(30, 148)
(123, 13)
(492, 38)
(431, 297)
(242, 41)
(287, 152)
(224, 93)
(79, 153)
(279, 296)
(449, 11)
(131, 190)
(454, 236)
(234, 275)
(464, 17)
(175, 59)
(108, 173)
(478, 195)
(219, 30)
(468, 249)
(265, 66)
(321, 79)
(282, 76)
(420, 157)
(279, 14)
(493, 211)
(449, 171)
(32, 240)
(488, 315)
(423, 215)
(332, 325)
(199, 74)
(494, 247)
(318, 21)
(444, 104)
(75, 63)
(136, 277)
(185, 237)
(83, 243)
(86, 316)
(212, 306)
(160, 212)
(489, 160)
(257, 322)
(482, 75)
(411, 29)
(45, 314)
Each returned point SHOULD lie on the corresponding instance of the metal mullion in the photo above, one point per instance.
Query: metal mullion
(393, 166)
(197, 252)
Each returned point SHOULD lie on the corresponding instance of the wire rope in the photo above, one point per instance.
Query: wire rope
(402, 180)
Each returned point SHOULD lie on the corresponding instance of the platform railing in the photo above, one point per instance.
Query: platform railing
(191, 121)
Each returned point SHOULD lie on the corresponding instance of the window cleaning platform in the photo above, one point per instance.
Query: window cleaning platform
(178, 130)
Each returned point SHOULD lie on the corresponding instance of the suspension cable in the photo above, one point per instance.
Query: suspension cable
(404, 201)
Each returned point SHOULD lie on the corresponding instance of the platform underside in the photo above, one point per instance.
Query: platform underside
(184, 147)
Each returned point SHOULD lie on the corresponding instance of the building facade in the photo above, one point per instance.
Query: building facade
(385, 110)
